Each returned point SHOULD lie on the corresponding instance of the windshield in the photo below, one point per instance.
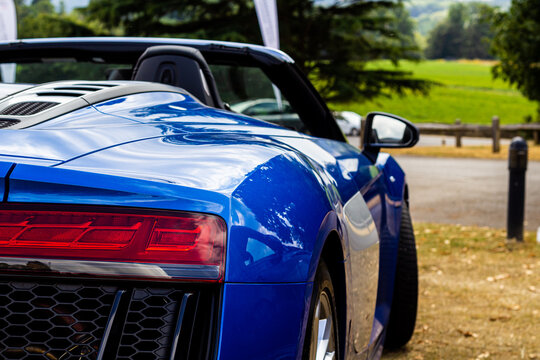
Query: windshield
(48, 70)
(249, 91)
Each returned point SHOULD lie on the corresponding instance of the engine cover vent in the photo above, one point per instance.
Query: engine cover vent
(40, 103)
(28, 108)
(4, 123)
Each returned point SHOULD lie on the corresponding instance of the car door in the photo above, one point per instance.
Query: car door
(354, 177)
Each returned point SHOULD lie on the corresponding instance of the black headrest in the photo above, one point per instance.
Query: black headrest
(180, 66)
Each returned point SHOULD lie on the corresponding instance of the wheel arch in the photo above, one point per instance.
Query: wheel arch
(333, 255)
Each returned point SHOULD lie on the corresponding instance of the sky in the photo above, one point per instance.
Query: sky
(70, 4)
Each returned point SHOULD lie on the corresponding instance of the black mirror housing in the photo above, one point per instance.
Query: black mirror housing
(389, 131)
(383, 130)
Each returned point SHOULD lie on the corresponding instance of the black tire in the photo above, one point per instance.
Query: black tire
(354, 132)
(405, 300)
(322, 290)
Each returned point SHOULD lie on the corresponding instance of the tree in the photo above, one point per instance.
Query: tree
(517, 44)
(331, 41)
(479, 32)
(402, 23)
(445, 39)
(39, 19)
(405, 26)
(465, 33)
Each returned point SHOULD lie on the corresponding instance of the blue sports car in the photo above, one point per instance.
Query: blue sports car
(142, 218)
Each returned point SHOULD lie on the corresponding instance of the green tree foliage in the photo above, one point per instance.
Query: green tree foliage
(331, 41)
(53, 25)
(402, 23)
(465, 33)
(517, 44)
(39, 19)
(405, 26)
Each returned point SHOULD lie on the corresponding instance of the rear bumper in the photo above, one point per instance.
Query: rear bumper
(72, 318)
(264, 321)
(52, 316)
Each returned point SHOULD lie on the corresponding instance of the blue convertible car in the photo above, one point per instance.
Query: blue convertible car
(142, 218)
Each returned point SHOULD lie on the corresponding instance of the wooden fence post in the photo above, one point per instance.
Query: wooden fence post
(460, 130)
(458, 133)
(536, 137)
(496, 134)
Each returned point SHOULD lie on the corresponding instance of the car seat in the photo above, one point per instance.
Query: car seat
(180, 66)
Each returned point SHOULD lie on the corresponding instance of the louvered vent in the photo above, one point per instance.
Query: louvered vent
(7, 123)
(28, 108)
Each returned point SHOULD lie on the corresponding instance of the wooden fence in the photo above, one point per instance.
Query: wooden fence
(495, 131)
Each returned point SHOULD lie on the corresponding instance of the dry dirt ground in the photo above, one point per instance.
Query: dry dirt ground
(479, 295)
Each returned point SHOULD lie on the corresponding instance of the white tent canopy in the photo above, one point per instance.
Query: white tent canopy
(268, 22)
(8, 31)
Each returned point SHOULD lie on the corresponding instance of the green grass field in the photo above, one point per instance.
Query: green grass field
(467, 92)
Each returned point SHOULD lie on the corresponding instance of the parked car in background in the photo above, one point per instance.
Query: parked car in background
(271, 110)
(349, 122)
(142, 218)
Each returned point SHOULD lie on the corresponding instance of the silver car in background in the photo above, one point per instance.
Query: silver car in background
(349, 122)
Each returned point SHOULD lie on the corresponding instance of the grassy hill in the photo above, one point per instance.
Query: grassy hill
(466, 91)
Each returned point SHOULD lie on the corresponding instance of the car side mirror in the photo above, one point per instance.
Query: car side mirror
(384, 130)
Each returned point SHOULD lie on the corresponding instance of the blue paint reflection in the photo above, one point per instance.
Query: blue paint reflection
(275, 215)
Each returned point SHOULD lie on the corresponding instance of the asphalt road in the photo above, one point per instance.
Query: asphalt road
(467, 191)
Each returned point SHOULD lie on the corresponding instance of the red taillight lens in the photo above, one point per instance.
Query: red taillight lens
(67, 230)
(183, 239)
(174, 235)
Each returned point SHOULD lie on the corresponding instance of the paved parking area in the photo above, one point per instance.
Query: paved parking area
(467, 191)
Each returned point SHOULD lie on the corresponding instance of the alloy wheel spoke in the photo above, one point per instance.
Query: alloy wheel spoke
(325, 331)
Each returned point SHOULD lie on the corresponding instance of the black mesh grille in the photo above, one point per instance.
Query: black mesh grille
(4, 123)
(27, 108)
(69, 321)
(40, 321)
(149, 324)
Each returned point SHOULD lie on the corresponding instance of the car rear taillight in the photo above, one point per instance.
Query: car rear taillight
(189, 241)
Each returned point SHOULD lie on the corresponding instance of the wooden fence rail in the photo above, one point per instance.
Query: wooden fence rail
(495, 131)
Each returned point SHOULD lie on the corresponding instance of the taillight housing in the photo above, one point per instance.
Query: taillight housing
(170, 242)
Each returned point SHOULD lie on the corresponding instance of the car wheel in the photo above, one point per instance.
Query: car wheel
(405, 300)
(321, 342)
(354, 132)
